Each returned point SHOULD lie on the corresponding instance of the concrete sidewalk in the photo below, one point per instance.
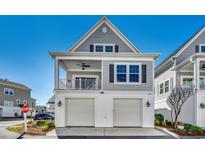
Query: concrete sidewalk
(90, 132)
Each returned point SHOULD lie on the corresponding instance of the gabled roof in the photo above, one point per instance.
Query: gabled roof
(182, 47)
(105, 20)
(13, 84)
(51, 100)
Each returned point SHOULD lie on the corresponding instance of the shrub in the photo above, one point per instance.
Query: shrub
(157, 122)
(44, 128)
(160, 118)
(187, 127)
(34, 123)
(50, 124)
(40, 122)
(192, 128)
(168, 123)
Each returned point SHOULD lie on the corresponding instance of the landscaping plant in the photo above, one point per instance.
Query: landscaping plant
(176, 100)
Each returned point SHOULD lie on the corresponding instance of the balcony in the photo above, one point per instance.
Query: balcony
(80, 84)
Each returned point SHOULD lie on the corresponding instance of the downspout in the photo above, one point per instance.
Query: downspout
(173, 59)
(195, 97)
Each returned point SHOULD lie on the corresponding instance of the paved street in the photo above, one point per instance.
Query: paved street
(4, 133)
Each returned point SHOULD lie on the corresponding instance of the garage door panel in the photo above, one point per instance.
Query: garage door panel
(80, 112)
(127, 112)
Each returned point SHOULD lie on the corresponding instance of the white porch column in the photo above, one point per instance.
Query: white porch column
(197, 73)
(56, 74)
(102, 75)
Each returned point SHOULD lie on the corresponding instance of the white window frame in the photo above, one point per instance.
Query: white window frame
(128, 73)
(84, 76)
(163, 82)
(103, 44)
(200, 45)
(8, 103)
(185, 76)
(9, 89)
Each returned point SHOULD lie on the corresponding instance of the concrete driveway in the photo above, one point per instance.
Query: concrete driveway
(4, 133)
(118, 133)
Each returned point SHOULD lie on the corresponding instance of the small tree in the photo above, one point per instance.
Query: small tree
(176, 100)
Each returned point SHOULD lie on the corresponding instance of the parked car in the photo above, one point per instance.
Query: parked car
(43, 116)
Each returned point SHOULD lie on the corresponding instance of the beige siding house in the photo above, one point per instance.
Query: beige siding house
(11, 95)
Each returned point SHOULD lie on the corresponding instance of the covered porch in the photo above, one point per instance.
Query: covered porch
(191, 73)
(78, 74)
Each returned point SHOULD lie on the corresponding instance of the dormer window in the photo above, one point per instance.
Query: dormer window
(202, 48)
(99, 48)
(104, 47)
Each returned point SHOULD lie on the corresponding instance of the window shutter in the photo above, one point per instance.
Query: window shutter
(111, 73)
(116, 48)
(197, 48)
(144, 73)
(91, 48)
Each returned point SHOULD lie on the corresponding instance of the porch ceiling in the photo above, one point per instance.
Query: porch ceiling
(77, 64)
(189, 67)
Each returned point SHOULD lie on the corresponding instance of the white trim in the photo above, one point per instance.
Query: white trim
(104, 58)
(104, 45)
(193, 39)
(127, 73)
(184, 77)
(102, 75)
(112, 27)
(84, 76)
(8, 89)
(86, 70)
(200, 45)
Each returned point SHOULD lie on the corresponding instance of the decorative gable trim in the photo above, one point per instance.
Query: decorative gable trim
(190, 42)
(95, 27)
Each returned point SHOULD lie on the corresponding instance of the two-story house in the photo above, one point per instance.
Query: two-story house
(11, 95)
(108, 83)
(184, 67)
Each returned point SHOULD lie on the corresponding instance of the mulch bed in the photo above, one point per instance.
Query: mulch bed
(32, 130)
(182, 133)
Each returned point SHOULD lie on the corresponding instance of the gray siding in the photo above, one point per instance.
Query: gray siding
(142, 87)
(18, 94)
(162, 70)
(190, 50)
(99, 37)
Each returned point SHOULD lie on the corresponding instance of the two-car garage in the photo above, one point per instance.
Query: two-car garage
(126, 112)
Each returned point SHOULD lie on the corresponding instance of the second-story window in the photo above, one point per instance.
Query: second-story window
(104, 47)
(99, 48)
(202, 48)
(108, 48)
(8, 91)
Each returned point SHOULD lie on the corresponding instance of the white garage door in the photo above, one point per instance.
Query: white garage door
(127, 112)
(80, 111)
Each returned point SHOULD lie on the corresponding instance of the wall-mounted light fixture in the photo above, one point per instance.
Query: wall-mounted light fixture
(202, 105)
(59, 103)
(148, 104)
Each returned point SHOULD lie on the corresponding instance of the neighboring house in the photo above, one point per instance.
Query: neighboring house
(108, 83)
(40, 109)
(50, 105)
(11, 95)
(185, 67)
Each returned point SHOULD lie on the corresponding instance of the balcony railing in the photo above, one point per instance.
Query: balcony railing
(80, 84)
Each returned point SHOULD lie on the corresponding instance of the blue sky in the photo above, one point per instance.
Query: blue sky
(26, 40)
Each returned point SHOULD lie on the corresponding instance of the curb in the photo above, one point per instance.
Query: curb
(168, 132)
